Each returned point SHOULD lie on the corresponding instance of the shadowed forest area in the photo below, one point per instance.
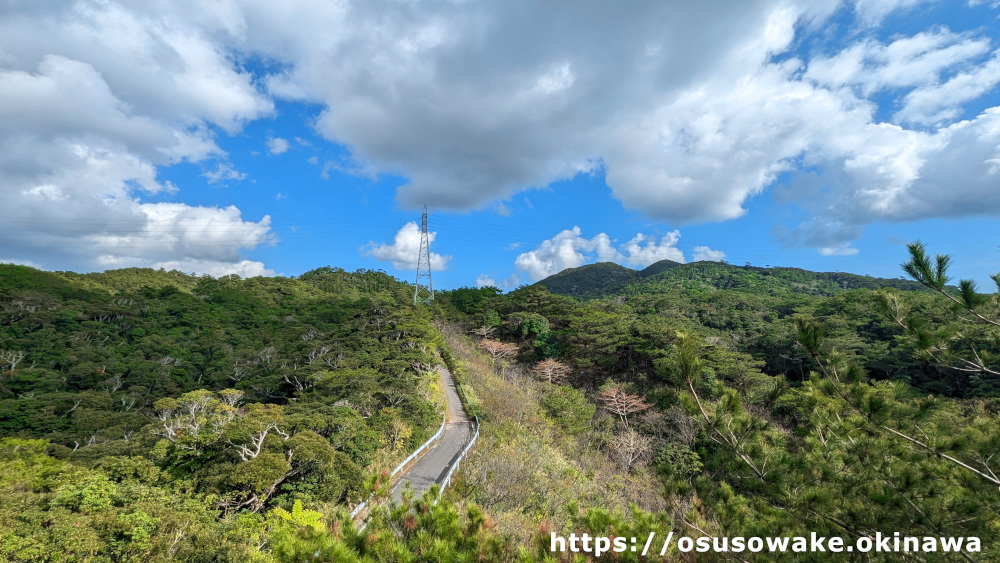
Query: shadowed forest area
(150, 416)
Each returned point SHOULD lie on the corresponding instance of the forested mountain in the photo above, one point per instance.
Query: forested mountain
(590, 281)
(770, 403)
(156, 416)
(242, 394)
(605, 279)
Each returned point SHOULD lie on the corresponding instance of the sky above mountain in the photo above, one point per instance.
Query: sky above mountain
(255, 137)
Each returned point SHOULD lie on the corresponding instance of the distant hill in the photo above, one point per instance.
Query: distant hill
(658, 267)
(67, 284)
(606, 279)
(591, 281)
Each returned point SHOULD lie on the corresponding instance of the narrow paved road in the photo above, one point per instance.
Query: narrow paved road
(433, 466)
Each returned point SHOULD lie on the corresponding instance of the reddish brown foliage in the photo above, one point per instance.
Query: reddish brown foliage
(621, 403)
(498, 350)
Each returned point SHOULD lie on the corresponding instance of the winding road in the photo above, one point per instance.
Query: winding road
(432, 467)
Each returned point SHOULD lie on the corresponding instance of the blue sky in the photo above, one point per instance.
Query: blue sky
(248, 138)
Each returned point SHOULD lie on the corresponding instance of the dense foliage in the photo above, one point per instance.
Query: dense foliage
(241, 394)
(781, 403)
(606, 279)
(154, 416)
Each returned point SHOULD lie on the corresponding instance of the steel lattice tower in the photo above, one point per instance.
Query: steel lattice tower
(423, 291)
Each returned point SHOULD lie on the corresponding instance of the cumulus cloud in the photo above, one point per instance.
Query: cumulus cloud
(565, 250)
(906, 62)
(511, 281)
(691, 109)
(210, 238)
(570, 249)
(942, 102)
(405, 249)
(513, 124)
(707, 254)
(243, 268)
(643, 250)
(690, 113)
(94, 97)
(277, 145)
(485, 281)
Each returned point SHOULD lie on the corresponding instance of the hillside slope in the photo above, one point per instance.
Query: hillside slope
(605, 279)
(199, 375)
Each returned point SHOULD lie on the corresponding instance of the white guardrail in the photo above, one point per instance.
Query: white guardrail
(424, 446)
(458, 461)
(451, 470)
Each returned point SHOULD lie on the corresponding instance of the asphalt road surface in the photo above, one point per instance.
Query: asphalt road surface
(433, 466)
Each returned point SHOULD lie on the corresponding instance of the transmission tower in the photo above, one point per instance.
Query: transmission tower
(423, 291)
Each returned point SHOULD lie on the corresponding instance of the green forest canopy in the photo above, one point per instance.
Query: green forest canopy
(150, 415)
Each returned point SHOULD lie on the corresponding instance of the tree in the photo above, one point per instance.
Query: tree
(484, 331)
(598, 333)
(630, 449)
(194, 420)
(569, 408)
(915, 460)
(253, 427)
(498, 351)
(936, 278)
(728, 424)
(880, 406)
(9, 359)
(526, 326)
(552, 371)
(617, 401)
(971, 343)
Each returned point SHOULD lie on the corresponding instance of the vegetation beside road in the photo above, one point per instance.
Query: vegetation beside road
(840, 411)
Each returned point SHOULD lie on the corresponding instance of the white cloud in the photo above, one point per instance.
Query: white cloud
(223, 173)
(405, 249)
(942, 102)
(510, 282)
(704, 253)
(838, 251)
(350, 168)
(871, 12)
(570, 249)
(642, 255)
(716, 145)
(689, 111)
(243, 268)
(205, 236)
(512, 124)
(906, 62)
(277, 145)
(94, 97)
(555, 255)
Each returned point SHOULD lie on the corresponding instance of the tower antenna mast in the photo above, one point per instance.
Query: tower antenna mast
(423, 291)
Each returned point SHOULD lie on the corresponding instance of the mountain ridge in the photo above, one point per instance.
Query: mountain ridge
(606, 279)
